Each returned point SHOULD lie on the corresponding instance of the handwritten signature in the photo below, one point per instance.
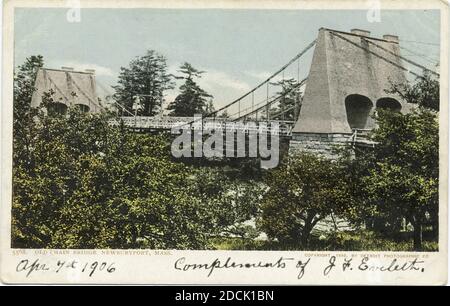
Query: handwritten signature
(364, 264)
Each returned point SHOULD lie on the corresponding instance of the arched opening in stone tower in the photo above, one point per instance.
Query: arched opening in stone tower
(389, 104)
(83, 108)
(358, 109)
(57, 108)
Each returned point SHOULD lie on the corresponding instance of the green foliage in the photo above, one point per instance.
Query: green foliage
(192, 99)
(361, 240)
(404, 180)
(301, 193)
(288, 107)
(147, 78)
(88, 185)
(356, 163)
(424, 92)
(24, 78)
(233, 202)
(364, 240)
(79, 182)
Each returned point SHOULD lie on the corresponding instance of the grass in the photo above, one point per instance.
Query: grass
(342, 241)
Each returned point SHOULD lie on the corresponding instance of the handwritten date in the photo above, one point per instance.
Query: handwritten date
(32, 266)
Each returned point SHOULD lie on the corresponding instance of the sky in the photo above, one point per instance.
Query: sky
(237, 48)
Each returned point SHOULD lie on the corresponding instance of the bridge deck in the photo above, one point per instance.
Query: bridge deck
(274, 127)
(279, 127)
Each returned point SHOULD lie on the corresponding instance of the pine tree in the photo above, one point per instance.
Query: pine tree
(24, 79)
(146, 78)
(192, 99)
(288, 106)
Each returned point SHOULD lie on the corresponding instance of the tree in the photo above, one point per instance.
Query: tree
(24, 79)
(90, 185)
(224, 114)
(192, 99)
(301, 193)
(232, 202)
(79, 182)
(209, 107)
(423, 92)
(146, 78)
(288, 107)
(404, 181)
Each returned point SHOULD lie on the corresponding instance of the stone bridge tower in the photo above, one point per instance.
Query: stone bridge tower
(348, 79)
(71, 88)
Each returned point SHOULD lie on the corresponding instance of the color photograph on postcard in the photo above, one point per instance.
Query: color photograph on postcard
(229, 129)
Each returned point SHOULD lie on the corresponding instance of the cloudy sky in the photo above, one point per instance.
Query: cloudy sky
(237, 48)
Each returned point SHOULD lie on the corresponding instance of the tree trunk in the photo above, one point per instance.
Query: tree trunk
(334, 222)
(304, 240)
(307, 228)
(418, 236)
(435, 225)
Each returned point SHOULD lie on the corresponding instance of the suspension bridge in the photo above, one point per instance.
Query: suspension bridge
(262, 105)
(259, 105)
(332, 99)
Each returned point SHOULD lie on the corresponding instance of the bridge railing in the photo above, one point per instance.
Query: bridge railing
(167, 123)
(362, 136)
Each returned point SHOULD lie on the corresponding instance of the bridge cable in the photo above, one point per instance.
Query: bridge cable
(57, 88)
(259, 85)
(263, 102)
(377, 55)
(85, 94)
(302, 82)
(284, 112)
(425, 57)
(273, 100)
(114, 101)
(420, 42)
(403, 58)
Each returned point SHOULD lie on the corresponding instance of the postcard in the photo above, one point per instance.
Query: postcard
(224, 142)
